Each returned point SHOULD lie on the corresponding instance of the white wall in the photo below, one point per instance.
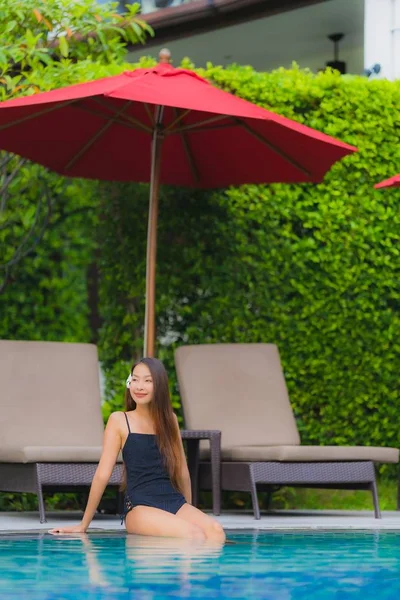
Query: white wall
(268, 43)
(382, 36)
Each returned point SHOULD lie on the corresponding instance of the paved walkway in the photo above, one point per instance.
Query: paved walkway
(23, 522)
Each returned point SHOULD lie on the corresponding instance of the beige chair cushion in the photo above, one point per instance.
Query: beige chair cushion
(49, 396)
(310, 453)
(54, 454)
(239, 389)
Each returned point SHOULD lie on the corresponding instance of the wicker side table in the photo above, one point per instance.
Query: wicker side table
(192, 439)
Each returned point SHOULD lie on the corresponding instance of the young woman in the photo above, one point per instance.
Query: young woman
(158, 490)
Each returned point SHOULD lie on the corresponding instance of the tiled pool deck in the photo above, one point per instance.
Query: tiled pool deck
(19, 522)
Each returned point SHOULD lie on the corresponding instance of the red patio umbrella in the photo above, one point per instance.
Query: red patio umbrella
(392, 182)
(114, 129)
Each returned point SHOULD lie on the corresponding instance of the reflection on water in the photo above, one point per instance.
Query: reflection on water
(267, 565)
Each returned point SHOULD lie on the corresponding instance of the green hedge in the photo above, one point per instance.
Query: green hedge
(312, 268)
(46, 221)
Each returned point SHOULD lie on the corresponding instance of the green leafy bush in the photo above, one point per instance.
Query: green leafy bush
(46, 221)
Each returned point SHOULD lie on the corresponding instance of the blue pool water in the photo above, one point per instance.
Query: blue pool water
(254, 565)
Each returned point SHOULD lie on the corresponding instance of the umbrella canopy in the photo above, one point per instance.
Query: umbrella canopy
(114, 128)
(392, 182)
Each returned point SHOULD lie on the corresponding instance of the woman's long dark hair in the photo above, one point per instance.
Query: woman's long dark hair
(167, 433)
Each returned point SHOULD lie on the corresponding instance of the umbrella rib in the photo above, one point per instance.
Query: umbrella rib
(201, 123)
(36, 114)
(186, 147)
(96, 136)
(148, 111)
(272, 147)
(178, 118)
(90, 111)
(215, 128)
(127, 117)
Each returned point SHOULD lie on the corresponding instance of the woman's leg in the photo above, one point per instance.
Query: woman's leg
(145, 520)
(211, 527)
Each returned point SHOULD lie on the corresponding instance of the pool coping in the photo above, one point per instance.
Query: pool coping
(230, 520)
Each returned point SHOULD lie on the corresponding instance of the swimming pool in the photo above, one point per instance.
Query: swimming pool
(259, 564)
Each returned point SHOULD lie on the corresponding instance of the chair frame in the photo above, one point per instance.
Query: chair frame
(52, 477)
(265, 476)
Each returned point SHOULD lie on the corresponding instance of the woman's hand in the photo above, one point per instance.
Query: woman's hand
(74, 529)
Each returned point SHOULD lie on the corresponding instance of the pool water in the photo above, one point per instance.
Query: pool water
(295, 565)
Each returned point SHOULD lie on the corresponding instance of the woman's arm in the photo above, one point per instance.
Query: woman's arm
(184, 478)
(111, 448)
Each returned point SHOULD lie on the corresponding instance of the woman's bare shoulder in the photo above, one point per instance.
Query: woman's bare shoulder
(116, 417)
(117, 414)
(116, 422)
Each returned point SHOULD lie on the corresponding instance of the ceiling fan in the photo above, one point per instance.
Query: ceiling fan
(336, 64)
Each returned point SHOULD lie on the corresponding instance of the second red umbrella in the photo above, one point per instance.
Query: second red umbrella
(391, 182)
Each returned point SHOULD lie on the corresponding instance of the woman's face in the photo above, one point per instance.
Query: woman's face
(141, 386)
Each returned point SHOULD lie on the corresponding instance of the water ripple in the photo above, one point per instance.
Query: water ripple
(258, 565)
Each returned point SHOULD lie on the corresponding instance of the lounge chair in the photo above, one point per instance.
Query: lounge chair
(51, 427)
(240, 389)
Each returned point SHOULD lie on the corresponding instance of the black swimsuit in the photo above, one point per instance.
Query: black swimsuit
(148, 482)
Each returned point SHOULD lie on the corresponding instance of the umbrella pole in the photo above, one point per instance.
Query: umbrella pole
(149, 320)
